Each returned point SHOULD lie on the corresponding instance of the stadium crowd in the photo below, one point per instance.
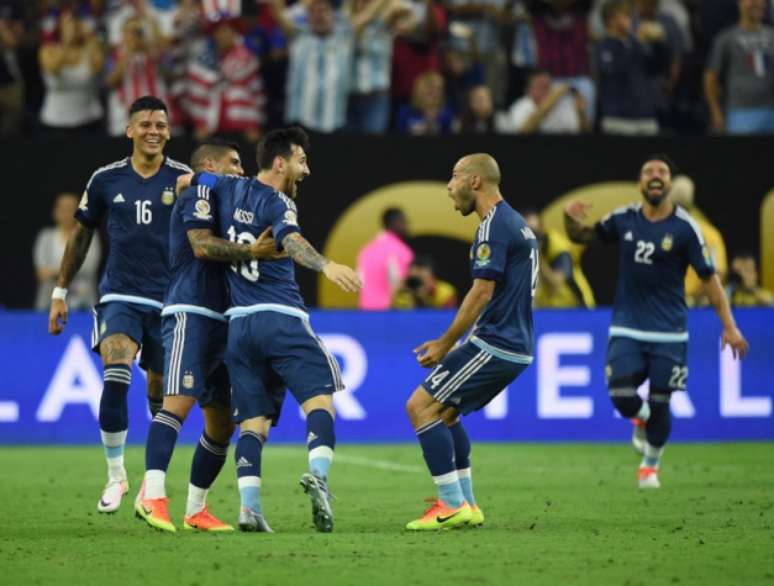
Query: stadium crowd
(372, 66)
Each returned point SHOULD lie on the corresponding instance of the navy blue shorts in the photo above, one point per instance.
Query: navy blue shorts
(141, 323)
(268, 352)
(468, 378)
(630, 362)
(194, 349)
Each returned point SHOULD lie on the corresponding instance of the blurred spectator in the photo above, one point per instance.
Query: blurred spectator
(422, 289)
(561, 281)
(740, 72)
(478, 113)
(648, 13)
(743, 288)
(384, 262)
(462, 68)
(71, 65)
(417, 48)
(11, 83)
(320, 66)
(375, 23)
(676, 9)
(122, 10)
(484, 18)
(682, 194)
(428, 113)
(624, 64)
(225, 92)
(49, 249)
(561, 43)
(546, 108)
(186, 45)
(134, 71)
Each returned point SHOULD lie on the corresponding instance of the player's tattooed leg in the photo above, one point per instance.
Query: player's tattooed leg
(118, 349)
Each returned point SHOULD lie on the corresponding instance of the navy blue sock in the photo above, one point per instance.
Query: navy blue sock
(462, 460)
(208, 460)
(248, 467)
(320, 441)
(113, 412)
(162, 437)
(438, 450)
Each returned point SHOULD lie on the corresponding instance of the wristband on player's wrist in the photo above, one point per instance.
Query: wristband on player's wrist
(59, 293)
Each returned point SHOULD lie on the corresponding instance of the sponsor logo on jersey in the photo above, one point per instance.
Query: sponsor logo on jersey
(483, 254)
(168, 196)
(290, 218)
(119, 198)
(666, 243)
(528, 234)
(243, 216)
(203, 210)
(188, 380)
(629, 236)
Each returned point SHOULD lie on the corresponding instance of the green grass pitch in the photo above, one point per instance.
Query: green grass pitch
(556, 515)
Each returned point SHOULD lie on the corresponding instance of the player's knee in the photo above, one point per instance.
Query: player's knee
(626, 400)
(218, 424)
(450, 416)
(179, 405)
(258, 425)
(324, 402)
(118, 349)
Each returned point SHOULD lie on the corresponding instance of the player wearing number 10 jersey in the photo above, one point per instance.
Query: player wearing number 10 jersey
(271, 345)
(504, 267)
(136, 195)
(648, 337)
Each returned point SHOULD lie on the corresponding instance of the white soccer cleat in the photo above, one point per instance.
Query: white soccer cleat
(648, 477)
(112, 495)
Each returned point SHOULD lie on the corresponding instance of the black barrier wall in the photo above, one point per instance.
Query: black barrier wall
(732, 177)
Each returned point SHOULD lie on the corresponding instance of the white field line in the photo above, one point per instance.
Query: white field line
(339, 458)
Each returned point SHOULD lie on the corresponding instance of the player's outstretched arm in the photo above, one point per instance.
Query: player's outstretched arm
(75, 253)
(574, 214)
(432, 352)
(731, 335)
(299, 249)
(207, 246)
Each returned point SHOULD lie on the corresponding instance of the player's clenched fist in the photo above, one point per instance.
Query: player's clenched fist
(57, 317)
(343, 276)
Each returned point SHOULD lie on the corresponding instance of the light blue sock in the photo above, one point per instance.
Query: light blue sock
(449, 490)
(466, 484)
(250, 492)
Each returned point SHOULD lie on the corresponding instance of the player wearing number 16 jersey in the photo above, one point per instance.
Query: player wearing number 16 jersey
(271, 345)
(657, 241)
(135, 195)
(504, 264)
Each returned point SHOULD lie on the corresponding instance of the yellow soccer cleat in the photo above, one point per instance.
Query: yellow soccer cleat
(476, 516)
(206, 521)
(153, 511)
(439, 516)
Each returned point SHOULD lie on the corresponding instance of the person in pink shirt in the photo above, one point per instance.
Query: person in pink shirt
(383, 263)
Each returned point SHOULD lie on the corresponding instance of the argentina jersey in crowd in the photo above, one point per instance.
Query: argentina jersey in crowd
(653, 258)
(195, 286)
(246, 207)
(138, 210)
(505, 250)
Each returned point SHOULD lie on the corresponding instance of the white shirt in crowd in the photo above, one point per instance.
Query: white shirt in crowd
(562, 119)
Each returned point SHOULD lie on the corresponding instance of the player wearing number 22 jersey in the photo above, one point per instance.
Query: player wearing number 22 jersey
(504, 266)
(657, 242)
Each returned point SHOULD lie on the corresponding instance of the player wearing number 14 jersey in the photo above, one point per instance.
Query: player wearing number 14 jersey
(648, 337)
(504, 263)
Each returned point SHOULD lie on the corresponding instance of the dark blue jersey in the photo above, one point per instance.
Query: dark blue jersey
(246, 207)
(653, 258)
(138, 212)
(195, 286)
(506, 251)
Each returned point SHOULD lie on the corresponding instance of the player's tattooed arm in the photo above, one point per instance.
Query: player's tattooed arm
(574, 214)
(207, 246)
(299, 249)
(75, 253)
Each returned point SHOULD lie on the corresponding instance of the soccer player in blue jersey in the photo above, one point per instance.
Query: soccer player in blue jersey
(136, 195)
(657, 241)
(271, 345)
(194, 330)
(504, 267)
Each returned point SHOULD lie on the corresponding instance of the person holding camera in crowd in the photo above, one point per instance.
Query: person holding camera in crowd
(422, 289)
